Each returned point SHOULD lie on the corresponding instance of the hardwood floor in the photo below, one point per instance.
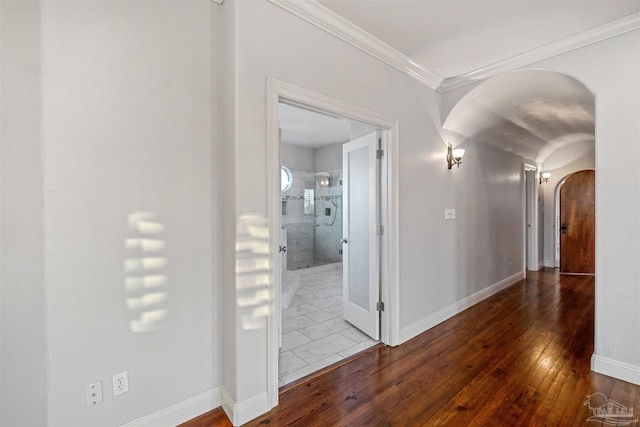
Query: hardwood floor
(518, 358)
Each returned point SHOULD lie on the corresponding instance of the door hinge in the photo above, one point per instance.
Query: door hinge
(380, 230)
(379, 154)
(379, 306)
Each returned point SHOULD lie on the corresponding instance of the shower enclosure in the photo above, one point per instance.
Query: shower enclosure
(312, 217)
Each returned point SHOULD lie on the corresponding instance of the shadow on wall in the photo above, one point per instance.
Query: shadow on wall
(145, 281)
(252, 271)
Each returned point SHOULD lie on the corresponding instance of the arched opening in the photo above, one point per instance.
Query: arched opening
(546, 118)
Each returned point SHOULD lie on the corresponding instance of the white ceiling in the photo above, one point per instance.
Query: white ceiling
(306, 128)
(455, 37)
(449, 43)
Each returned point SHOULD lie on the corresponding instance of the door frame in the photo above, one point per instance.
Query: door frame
(530, 247)
(389, 280)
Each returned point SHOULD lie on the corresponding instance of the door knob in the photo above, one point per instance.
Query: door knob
(343, 240)
(283, 248)
(564, 228)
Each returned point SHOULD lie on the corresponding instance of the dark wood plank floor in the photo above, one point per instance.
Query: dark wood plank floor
(518, 358)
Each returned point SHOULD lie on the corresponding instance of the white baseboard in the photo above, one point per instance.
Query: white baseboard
(615, 369)
(450, 311)
(240, 413)
(181, 411)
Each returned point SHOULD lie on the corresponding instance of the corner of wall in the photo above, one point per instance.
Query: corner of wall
(243, 412)
(615, 369)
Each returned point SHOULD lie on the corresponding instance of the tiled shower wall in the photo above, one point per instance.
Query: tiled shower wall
(299, 225)
(329, 224)
(313, 233)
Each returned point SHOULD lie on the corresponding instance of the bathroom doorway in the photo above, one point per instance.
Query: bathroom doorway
(386, 242)
(315, 333)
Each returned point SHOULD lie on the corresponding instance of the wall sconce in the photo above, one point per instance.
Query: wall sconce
(454, 157)
(323, 179)
(544, 177)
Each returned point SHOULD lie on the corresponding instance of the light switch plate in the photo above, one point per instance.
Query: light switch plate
(93, 394)
(449, 214)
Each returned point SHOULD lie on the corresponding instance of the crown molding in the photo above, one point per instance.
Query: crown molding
(327, 20)
(576, 41)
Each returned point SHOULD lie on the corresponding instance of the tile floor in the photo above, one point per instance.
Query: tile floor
(314, 334)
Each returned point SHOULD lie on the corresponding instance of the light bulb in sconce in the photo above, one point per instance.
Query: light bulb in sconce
(323, 179)
(454, 157)
(544, 177)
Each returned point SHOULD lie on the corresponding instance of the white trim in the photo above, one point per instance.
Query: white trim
(274, 213)
(334, 24)
(458, 307)
(613, 368)
(526, 167)
(243, 412)
(576, 41)
(277, 91)
(327, 20)
(390, 294)
(181, 411)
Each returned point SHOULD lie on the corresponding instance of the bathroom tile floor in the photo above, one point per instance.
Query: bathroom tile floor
(314, 334)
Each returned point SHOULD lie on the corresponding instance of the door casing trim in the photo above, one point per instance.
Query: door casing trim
(282, 91)
(532, 246)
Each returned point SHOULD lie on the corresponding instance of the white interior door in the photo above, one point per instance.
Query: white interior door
(360, 243)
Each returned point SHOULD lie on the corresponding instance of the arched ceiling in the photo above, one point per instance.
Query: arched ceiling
(529, 113)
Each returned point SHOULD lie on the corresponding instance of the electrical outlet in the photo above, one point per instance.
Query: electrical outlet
(93, 394)
(120, 383)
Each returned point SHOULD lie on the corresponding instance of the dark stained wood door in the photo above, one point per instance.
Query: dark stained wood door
(577, 223)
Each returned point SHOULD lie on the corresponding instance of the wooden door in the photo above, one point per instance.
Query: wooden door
(577, 223)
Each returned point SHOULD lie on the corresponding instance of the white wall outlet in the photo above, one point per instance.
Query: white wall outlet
(120, 383)
(449, 214)
(93, 394)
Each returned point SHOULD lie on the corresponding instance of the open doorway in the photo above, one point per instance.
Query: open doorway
(385, 230)
(316, 195)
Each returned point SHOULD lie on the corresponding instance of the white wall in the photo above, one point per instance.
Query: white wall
(610, 69)
(128, 99)
(298, 158)
(126, 95)
(437, 259)
(328, 158)
(22, 284)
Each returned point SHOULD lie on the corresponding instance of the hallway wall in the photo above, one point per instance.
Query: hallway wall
(610, 69)
(23, 358)
(438, 264)
(109, 249)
